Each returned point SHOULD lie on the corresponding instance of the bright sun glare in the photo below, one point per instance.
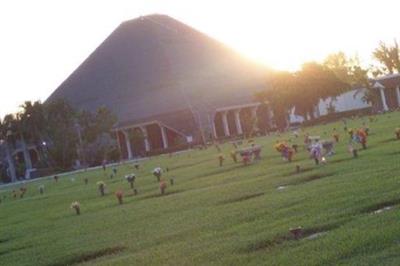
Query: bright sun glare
(46, 40)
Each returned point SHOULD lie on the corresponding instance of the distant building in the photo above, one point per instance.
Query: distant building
(169, 85)
(387, 93)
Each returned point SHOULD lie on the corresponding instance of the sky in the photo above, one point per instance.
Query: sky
(43, 41)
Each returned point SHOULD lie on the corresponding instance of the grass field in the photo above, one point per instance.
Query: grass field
(230, 215)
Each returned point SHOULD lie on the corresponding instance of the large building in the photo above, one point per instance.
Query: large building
(169, 85)
(172, 86)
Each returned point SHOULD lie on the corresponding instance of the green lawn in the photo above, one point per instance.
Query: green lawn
(230, 215)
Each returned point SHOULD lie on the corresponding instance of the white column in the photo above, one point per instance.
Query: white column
(146, 138)
(317, 113)
(383, 97)
(398, 95)
(214, 129)
(119, 142)
(254, 117)
(225, 123)
(237, 122)
(164, 137)
(270, 116)
(254, 112)
(128, 144)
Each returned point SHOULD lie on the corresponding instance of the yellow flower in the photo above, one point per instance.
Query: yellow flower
(101, 183)
(75, 204)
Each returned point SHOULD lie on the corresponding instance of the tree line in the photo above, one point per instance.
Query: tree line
(63, 138)
(54, 136)
(337, 74)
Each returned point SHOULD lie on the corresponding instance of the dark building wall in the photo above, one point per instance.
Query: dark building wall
(231, 123)
(219, 128)
(154, 135)
(391, 98)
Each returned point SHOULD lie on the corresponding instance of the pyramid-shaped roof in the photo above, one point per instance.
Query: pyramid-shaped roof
(156, 65)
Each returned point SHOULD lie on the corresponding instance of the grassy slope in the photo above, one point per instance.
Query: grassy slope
(232, 215)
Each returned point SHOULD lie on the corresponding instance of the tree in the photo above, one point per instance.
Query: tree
(304, 89)
(349, 70)
(314, 82)
(63, 138)
(280, 96)
(317, 81)
(100, 148)
(17, 132)
(96, 139)
(342, 66)
(5, 149)
(35, 121)
(388, 56)
(22, 129)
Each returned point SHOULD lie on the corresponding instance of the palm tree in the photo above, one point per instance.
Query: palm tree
(34, 118)
(22, 131)
(5, 148)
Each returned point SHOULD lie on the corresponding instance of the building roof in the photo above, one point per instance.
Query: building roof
(155, 65)
(390, 81)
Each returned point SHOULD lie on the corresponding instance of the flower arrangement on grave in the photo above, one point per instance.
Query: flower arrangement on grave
(362, 137)
(246, 158)
(120, 195)
(256, 151)
(157, 172)
(22, 192)
(316, 151)
(233, 155)
(307, 140)
(353, 151)
(328, 146)
(285, 150)
(366, 130)
(163, 186)
(295, 148)
(353, 135)
(397, 132)
(246, 154)
(335, 135)
(102, 187)
(77, 207)
(351, 132)
(221, 159)
(131, 179)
